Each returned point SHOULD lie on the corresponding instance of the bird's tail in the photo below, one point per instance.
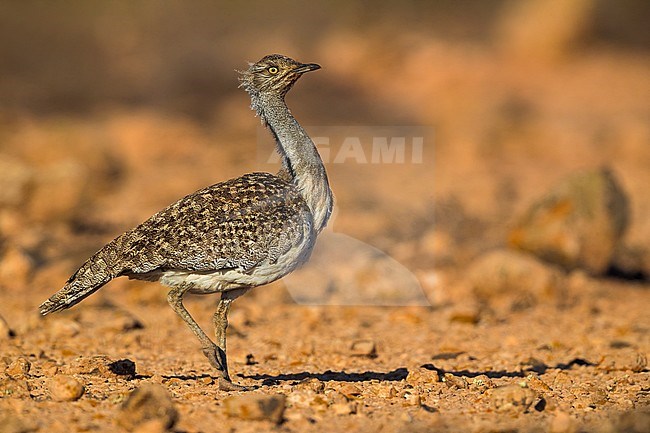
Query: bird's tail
(90, 277)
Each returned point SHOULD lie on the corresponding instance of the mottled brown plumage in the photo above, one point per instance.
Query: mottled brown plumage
(231, 236)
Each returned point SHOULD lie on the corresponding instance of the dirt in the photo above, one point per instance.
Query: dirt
(500, 359)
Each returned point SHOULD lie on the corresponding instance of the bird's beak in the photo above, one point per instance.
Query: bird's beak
(306, 67)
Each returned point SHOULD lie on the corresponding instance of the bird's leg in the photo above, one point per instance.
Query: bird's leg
(220, 320)
(210, 350)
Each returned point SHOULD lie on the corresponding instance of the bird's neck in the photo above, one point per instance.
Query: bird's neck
(300, 159)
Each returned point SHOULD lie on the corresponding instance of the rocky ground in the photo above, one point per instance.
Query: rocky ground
(533, 261)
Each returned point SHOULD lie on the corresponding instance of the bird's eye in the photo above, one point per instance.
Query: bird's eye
(273, 70)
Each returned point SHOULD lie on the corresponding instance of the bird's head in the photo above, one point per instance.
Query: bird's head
(273, 74)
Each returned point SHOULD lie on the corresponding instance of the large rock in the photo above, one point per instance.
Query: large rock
(148, 407)
(103, 366)
(578, 224)
(513, 278)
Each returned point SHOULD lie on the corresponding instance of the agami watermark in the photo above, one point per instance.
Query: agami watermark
(363, 144)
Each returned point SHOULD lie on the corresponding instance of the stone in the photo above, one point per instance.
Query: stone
(14, 388)
(422, 376)
(412, 398)
(103, 366)
(148, 407)
(18, 368)
(481, 383)
(350, 391)
(578, 224)
(313, 384)
(65, 388)
(389, 392)
(513, 397)
(537, 384)
(516, 277)
(453, 381)
(365, 348)
(256, 407)
(625, 359)
(343, 408)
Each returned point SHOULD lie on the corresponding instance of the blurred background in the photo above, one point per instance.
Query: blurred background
(111, 110)
(540, 112)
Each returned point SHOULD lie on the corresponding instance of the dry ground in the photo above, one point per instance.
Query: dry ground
(505, 133)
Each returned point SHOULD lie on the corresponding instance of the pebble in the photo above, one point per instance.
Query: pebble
(334, 396)
(313, 384)
(65, 388)
(18, 368)
(512, 397)
(319, 404)
(596, 396)
(578, 224)
(207, 380)
(537, 384)
(481, 383)
(412, 398)
(256, 407)
(103, 366)
(389, 392)
(365, 348)
(453, 381)
(344, 408)
(14, 388)
(350, 391)
(148, 408)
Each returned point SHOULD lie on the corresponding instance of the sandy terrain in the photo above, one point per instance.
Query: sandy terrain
(502, 357)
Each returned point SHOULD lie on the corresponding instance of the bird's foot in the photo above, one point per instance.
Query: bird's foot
(215, 358)
(227, 385)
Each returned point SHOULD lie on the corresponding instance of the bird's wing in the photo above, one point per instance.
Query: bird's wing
(234, 224)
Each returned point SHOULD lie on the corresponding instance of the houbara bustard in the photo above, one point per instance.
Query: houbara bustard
(228, 237)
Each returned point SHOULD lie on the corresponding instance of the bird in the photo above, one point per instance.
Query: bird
(229, 237)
